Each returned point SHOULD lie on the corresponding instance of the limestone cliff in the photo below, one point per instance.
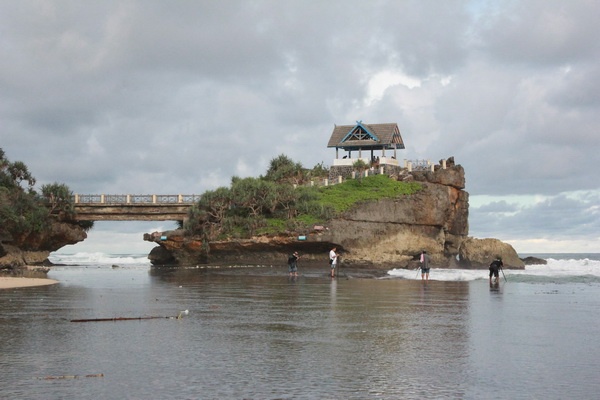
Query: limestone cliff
(388, 233)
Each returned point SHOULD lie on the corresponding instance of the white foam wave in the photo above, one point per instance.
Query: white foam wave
(554, 268)
(439, 274)
(562, 268)
(99, 258)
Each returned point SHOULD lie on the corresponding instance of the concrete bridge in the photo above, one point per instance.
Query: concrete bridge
(131, 207)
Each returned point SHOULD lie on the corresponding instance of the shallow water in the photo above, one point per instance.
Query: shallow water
(268, 337)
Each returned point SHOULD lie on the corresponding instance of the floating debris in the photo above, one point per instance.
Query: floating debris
(51, 377)
(117, 319)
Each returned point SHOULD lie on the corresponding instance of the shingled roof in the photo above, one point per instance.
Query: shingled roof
(366, 137)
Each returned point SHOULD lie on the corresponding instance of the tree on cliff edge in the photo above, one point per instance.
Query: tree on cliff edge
(23, 211)
(256, 205)
(283, 170)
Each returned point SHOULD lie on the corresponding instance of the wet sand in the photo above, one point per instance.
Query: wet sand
(7, 282)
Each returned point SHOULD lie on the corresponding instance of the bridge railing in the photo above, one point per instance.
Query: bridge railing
(136, 198)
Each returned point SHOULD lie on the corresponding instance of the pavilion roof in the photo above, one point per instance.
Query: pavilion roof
(366, 137)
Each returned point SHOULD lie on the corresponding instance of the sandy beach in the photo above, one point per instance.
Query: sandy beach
(7, 282)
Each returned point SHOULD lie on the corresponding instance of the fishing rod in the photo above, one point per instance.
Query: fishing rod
(502, 270)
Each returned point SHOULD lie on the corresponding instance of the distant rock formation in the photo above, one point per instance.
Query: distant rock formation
(534, 261)
(389, 233)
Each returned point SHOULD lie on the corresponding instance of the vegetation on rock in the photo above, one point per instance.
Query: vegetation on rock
(24, 211)
(283, 201)
(342, 197)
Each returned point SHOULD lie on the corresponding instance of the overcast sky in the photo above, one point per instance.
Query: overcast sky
(173, 97)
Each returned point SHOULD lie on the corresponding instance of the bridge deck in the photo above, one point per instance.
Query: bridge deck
(100, 207)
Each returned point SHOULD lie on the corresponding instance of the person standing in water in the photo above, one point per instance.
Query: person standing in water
(424, 266)
(293, 264)
(495, 268)
(333, 258)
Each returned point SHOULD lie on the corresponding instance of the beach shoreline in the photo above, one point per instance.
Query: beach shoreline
(10, 282)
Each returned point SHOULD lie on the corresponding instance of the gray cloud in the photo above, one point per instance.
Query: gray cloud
(146, 96)
(563, 217)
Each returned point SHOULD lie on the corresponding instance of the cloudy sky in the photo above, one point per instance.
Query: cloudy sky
(176, 97)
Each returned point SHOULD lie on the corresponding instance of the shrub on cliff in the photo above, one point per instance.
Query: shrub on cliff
(283, 170)
(23, 211)
(58, 199)
(271, 204)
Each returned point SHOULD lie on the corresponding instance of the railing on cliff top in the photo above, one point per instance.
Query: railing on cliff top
(375, 169)
(144, 199)
(169, 199)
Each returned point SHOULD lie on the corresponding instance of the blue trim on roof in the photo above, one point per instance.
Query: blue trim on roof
(360, 124)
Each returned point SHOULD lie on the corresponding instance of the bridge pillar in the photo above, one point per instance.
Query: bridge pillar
(153, 199)
(102, 198)
(128, 199)
(180, 198)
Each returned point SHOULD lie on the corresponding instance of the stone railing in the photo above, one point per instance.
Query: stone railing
(342, 169)
(114, 199)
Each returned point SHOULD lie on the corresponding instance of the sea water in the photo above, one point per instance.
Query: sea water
(263, 335)
(565, 267)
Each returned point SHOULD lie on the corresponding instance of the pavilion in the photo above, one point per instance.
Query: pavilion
(366, 138)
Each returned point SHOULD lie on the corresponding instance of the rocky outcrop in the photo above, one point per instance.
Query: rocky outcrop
(386, 233)
(34, 249)
(175, 248)
(477, 253)
(534, 261)
(392, 231)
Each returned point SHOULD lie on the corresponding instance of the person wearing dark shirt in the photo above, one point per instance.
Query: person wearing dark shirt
(424, 266)
(495, 269)
(293, 264)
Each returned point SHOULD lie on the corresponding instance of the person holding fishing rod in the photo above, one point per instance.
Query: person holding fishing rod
(495, 267)
(333, 260)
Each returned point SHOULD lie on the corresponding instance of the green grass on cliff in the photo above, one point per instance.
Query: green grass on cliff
(339, 198)
(343, 196)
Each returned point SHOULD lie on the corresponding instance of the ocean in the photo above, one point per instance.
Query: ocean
(560, 267)
(255, 333)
